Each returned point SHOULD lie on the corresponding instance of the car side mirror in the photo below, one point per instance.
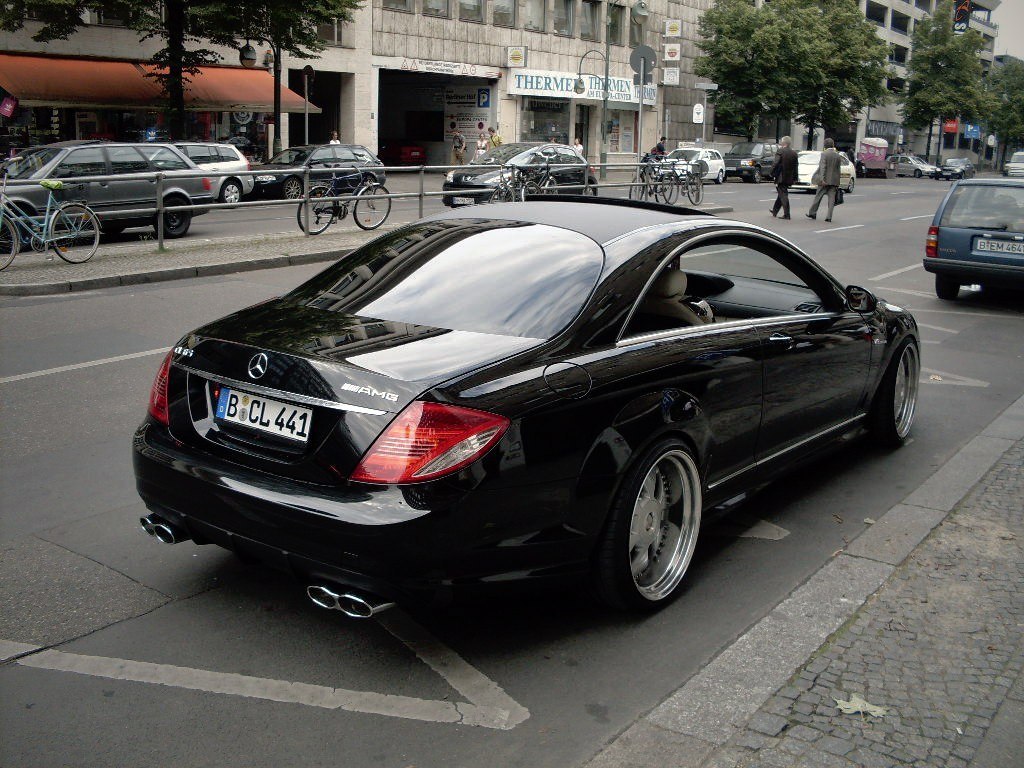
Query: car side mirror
(860, 299)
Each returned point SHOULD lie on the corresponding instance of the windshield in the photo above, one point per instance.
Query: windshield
(30, 161)
(496, 277)
(956, 161)
(746, 148)
(501, 154)
(689, 155)
(1018, 157)
(291, 156)
(985, 207)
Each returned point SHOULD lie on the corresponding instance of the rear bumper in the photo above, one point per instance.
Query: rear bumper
(972, 271)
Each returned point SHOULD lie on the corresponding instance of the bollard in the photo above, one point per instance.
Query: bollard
(305, 198)
(160, 211)
(421, 192)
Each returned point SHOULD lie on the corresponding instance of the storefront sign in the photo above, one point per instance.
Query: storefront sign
(8, 105)
(467, 109)
(950, 126)
(962, 16)
(673, 27)
(455, 68)
(515, 56)
(539, 82)
(672, 51)
(670, 76)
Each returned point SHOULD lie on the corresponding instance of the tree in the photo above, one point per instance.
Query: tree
(1005, 84)
(944, 75)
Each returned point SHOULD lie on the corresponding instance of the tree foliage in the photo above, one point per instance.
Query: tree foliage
(944, 75)
(1005, 85)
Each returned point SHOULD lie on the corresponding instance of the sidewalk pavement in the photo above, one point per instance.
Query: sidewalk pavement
(33, 274)
(906, 649)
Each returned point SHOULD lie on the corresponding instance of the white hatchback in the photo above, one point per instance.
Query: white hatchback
(711, 157)
(1015, 165)
(223, 159)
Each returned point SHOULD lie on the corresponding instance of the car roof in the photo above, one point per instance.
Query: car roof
(600, 219)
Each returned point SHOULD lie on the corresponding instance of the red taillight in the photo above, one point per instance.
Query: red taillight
(158, 393)
(206, 184)
(931, 243)
(428, 440)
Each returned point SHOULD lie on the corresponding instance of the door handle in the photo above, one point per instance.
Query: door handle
(780, 338)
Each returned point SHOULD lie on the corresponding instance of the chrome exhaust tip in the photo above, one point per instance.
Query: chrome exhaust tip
(162, 530)
(356, 606)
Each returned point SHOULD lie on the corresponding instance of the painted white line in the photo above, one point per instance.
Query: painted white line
(911, 218)
(487, 705)
(77, 366)
(929, 341)
(938, 328)
(769, 200)
(966, 313)
(888, 289)
(8, 649)
(941, 377)
(896, 272)
(911, 192)
(837, 229)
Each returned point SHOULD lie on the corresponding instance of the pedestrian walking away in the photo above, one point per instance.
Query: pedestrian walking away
(495, 139)
(828, 179)
(785, 174)
(458, 148)
(482, 145)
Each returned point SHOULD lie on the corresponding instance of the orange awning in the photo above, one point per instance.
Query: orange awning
(52, 81)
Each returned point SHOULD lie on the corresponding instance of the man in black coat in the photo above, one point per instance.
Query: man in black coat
(785, 173)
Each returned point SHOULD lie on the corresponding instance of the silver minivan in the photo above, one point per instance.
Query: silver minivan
(224, 159)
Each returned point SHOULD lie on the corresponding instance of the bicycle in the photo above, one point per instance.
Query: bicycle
(511, 187)
(69, 229)
(370, 203)
(654, 182)
(690, 176)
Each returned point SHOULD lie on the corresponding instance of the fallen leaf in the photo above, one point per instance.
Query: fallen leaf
(857, 705)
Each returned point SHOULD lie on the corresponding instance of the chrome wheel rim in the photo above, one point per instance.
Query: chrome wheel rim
(908, 373)
(292, 189)
(231, 194)
(664, 526)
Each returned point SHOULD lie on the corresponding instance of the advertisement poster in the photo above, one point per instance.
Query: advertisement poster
(467, 108)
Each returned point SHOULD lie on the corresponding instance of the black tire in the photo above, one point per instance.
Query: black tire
(291, 188)
(591, 187)
(10, 243)
(757, 176)
(176, 223)
(322, 213)
(631, 568)
(917, 173)
(720, 178)
(851, 185)
(230, 191)
(892, 411)
(946, 287)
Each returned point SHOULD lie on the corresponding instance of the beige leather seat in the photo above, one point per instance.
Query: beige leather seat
(665, 299)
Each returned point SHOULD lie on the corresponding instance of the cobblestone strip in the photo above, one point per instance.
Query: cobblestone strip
(939, 646)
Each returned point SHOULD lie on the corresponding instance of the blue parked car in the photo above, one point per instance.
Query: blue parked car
(977, 236)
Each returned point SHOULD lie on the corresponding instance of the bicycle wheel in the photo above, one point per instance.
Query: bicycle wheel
(320, 213)
(9, 243)
(638, 189)
(549, 186)
(371, 208)
(695, 189)
(74, 233)
(668, 190)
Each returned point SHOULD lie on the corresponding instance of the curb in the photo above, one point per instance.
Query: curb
(714, 705)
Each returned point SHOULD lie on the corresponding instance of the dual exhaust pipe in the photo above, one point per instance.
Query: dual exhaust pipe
(163, 530)
(351, 604)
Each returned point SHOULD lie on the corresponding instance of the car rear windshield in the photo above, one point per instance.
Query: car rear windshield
(494, 277)
(746, 148)
(986, 206)
(24, 165)
(1018, 157)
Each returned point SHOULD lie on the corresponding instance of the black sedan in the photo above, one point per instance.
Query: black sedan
(282, 175)
(956, 168)
(544, 168)
(524, 391)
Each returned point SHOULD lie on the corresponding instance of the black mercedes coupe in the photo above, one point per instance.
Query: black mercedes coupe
(516, 392)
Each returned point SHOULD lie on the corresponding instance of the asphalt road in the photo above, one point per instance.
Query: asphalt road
(183, 656)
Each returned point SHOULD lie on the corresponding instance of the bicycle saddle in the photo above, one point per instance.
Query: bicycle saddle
(51, 184)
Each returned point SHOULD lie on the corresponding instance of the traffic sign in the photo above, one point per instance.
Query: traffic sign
(646, 55)
(698, 113)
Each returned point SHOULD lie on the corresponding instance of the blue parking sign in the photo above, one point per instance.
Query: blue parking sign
(483, 97)
(972, 131)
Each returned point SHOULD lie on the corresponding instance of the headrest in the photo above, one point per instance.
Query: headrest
(670, 283)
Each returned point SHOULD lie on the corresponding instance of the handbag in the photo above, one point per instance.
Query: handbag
(839, 196)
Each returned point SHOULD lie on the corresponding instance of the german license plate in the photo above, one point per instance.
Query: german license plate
(998, 246)
(463, 200)
(264, 414)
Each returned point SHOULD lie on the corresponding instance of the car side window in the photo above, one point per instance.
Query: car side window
(566, 157)
(88, 161)
(227, 154)
(163, 159)
(127, 159)
(345, 155)
(362, 155)
(198, 154)
(321, 156)
(733, 278)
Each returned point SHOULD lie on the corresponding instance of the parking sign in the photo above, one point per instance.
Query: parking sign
(483, 97)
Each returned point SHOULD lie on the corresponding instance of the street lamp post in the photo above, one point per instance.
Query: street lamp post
(703, 126)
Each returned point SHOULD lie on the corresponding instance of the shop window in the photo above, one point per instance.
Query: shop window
(564, 16)
(534, 15)
(398, 5)
(615, 17)
(504, 13)
(435, 8)
(636, 34)
(471, 10)
(590, 18)
(82, 162)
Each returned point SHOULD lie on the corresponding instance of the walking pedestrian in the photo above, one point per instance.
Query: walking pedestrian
(785, 173)
(495, 139)
(828, 180)
(334, 138)
(458, 148)
(482, 144)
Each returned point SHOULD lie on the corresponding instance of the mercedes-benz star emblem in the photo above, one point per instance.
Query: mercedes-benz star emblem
(258, 365)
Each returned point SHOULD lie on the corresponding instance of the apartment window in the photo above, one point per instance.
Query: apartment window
(636, 34)
(471, 10)
(534, 15)
(435, 8)
(504, 13)
(590, 19)
(109, 20)
(615, 19)
(398, 5)
(332, 33)
(563, 16)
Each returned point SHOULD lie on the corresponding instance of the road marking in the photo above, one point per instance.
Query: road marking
(837, 229)
(966, 313)
(9, 650)
(895, 272)
(905, 290)
(941, 377)
(77, 366)
(925, 216)
(911, 192)
(937, 328)
(769, 200)
(487, 705)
